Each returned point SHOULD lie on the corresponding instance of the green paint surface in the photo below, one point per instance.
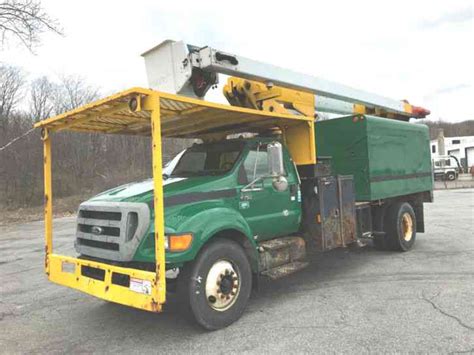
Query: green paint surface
(387, 157)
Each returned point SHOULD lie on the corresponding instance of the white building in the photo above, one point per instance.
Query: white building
(460, 147)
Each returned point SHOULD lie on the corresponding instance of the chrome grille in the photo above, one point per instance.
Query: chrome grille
(111, 230)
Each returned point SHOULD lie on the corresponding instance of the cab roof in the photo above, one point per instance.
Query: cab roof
(181, 117)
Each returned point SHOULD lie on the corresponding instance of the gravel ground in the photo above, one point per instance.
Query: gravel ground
(349, 301)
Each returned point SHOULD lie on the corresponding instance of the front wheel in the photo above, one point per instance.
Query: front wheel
(451, 176)
(217, 285)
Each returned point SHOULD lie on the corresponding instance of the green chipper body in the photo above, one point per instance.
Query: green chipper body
(387, 158)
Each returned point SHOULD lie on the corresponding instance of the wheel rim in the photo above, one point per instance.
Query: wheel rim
(407, 227)
(222, 285)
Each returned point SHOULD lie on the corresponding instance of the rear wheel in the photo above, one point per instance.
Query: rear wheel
(400, 227)
(451, 176)
(216, 286)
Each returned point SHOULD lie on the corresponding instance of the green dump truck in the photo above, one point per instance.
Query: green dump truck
(267, 188)
(227, 217)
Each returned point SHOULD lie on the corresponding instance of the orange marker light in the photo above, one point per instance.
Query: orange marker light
(420, 112)
(180, 242)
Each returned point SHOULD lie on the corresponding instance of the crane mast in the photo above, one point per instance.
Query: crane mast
(189, 70)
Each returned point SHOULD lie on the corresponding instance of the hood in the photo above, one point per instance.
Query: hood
(142, 191)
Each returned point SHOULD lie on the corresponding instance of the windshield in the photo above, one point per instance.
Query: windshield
(207, 159)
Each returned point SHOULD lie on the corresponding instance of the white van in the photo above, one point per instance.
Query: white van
(446, 167)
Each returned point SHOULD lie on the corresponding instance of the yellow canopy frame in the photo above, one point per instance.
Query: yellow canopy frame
(139, 111)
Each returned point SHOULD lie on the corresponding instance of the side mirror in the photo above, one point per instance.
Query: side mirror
(276, 166)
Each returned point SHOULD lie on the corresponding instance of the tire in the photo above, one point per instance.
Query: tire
(215, 288)
(400, 227)
(451, 176)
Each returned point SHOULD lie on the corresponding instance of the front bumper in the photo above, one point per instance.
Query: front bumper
(130, 287)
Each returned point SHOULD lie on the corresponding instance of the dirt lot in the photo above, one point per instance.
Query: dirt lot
(346, 301)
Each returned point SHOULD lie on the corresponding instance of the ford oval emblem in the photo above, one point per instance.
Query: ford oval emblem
(97, 230)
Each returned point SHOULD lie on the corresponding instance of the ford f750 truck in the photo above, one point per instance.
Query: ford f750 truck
(235, 209)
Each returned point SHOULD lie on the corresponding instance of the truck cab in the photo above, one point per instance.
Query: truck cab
(215, 188)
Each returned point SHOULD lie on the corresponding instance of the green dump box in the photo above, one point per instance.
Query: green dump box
(387, 158)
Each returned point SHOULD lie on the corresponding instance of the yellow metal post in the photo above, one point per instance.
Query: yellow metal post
(48, 198)
(158, 201)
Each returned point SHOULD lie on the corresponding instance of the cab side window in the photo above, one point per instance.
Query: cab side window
(256, 164)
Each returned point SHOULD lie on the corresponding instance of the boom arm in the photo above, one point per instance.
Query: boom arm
(189, 70)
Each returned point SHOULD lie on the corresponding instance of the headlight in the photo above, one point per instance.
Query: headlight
(132, 224)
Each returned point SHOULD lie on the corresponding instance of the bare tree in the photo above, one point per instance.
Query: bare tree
(42, 94)
(465, 128)
(12, 80)
(25, 20)
(73, 92)
(83, 164)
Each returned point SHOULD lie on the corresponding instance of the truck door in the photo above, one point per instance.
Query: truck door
(269, 212)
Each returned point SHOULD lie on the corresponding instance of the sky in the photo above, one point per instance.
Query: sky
(421, 50)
